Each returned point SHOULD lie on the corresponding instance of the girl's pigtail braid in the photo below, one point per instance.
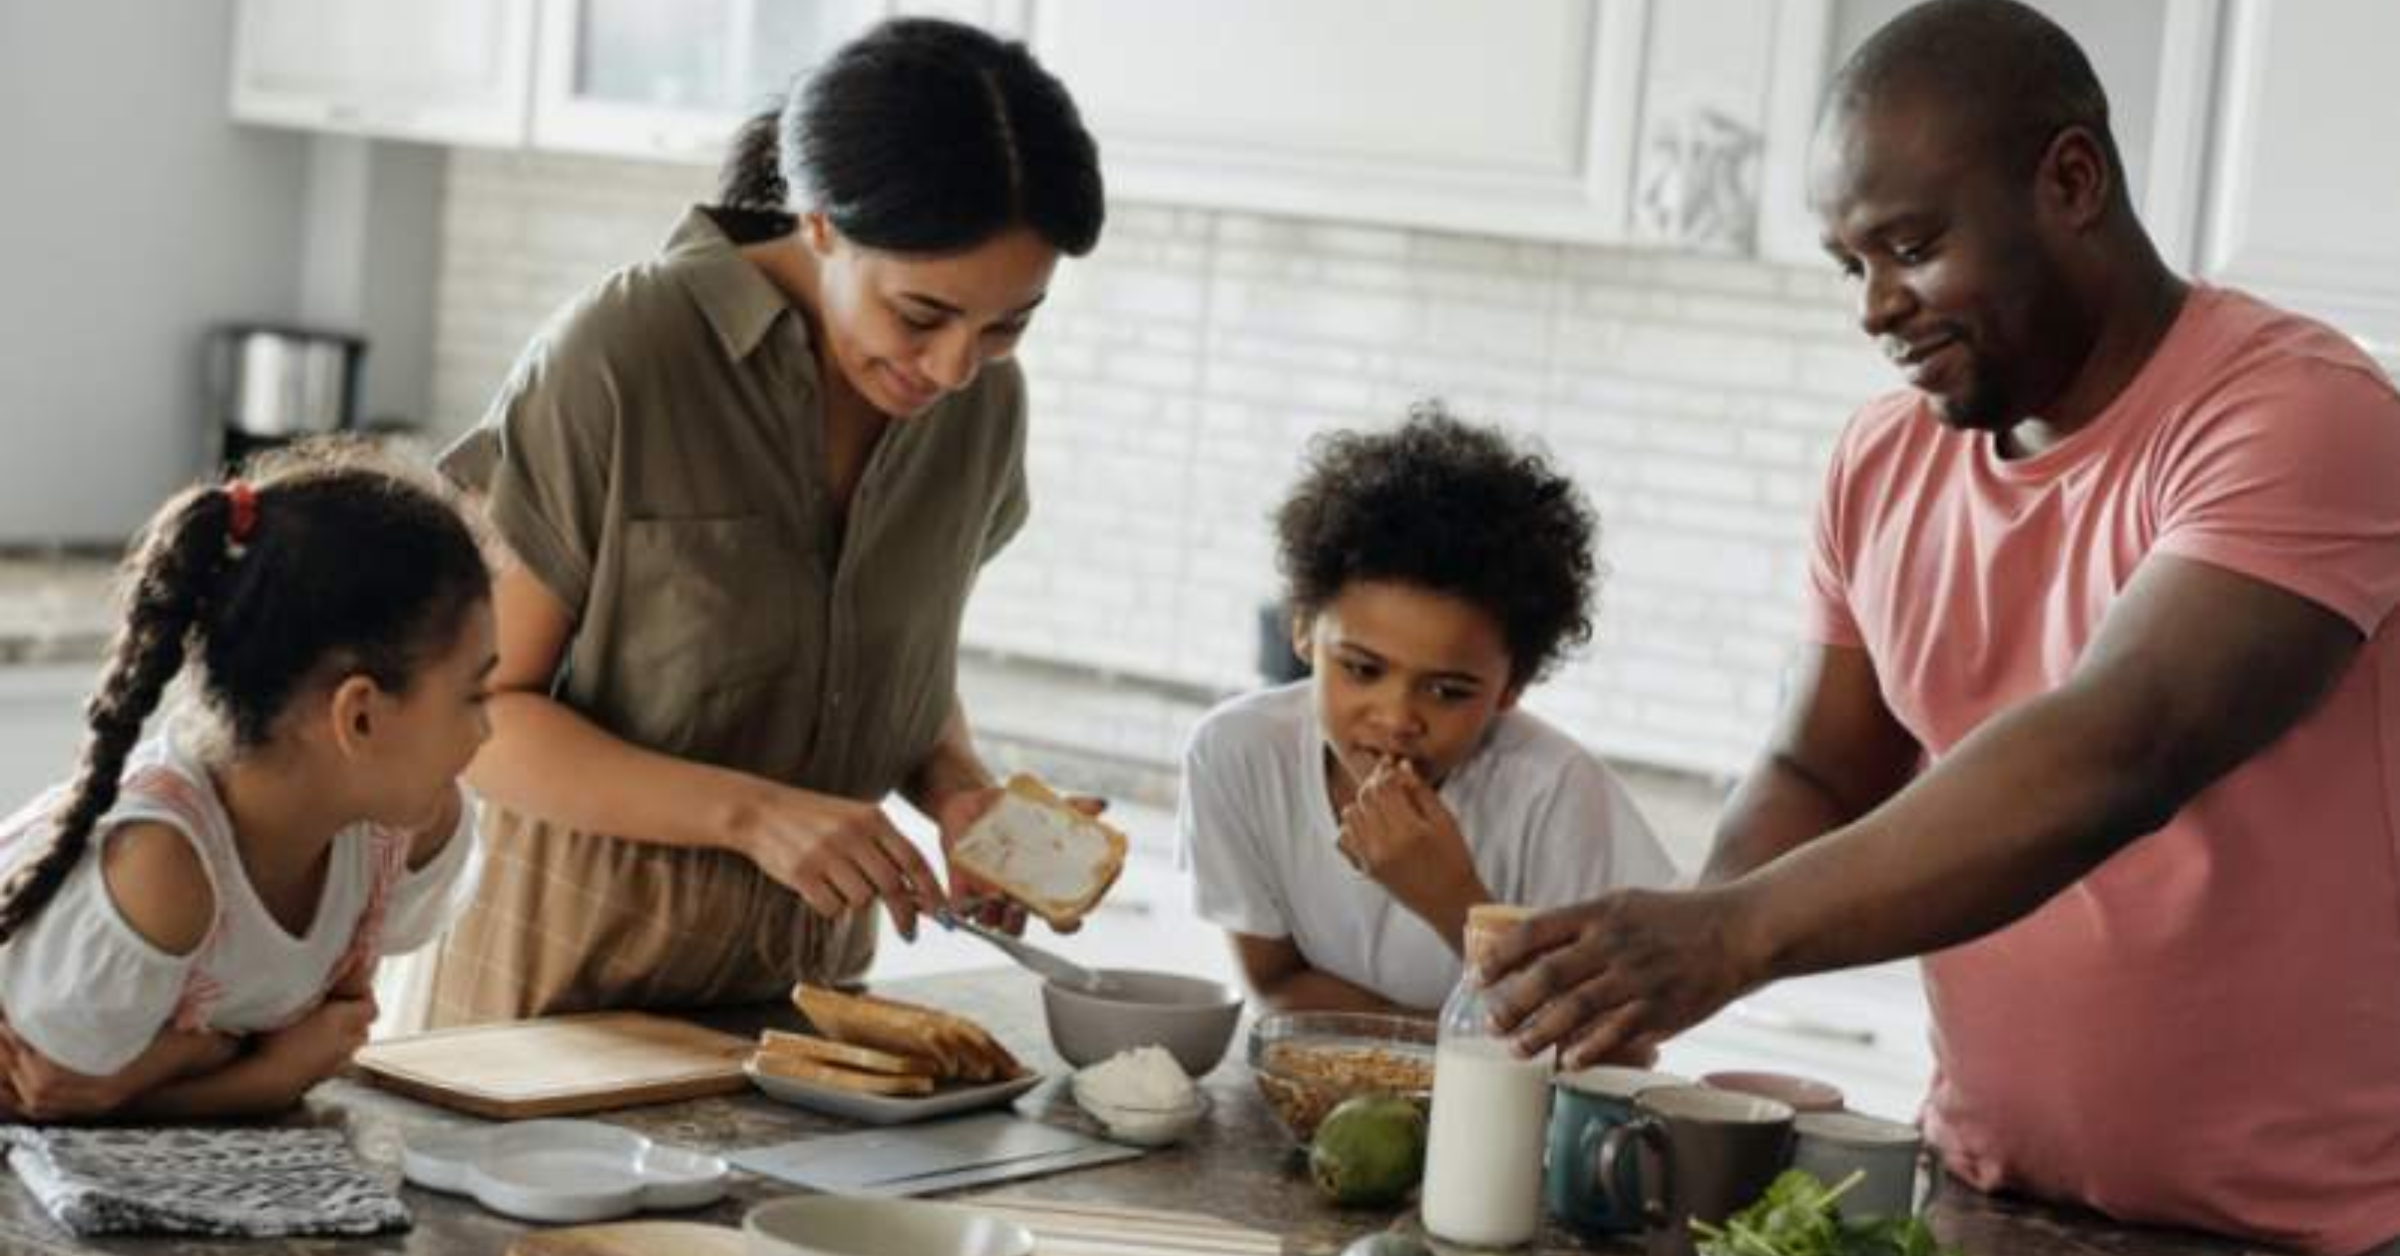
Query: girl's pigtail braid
(181, 562)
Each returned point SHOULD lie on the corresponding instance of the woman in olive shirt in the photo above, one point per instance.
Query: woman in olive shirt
(748, 485)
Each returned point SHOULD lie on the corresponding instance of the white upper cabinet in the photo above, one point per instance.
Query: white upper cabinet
(2304, 177)
(1499, 119)
(1709, 90)
(673, 78)
(2156, 59)
(445, 71)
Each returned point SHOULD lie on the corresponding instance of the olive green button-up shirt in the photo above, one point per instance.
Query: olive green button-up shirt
(656, 459)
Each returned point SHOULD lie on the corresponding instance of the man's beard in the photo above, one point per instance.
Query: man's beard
(1981, 406)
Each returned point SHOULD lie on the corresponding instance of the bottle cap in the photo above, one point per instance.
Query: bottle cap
(1487, 923)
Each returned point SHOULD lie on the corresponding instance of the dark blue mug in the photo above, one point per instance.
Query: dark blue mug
(1585, 1106)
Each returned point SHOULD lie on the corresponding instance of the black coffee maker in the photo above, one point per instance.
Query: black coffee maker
(272, 384)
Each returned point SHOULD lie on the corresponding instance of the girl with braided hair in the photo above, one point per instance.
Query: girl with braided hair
(188, 926)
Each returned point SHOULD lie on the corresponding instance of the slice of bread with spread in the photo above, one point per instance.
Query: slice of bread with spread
(1033, 847)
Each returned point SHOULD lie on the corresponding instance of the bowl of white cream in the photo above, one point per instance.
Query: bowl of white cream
(1142, 1096)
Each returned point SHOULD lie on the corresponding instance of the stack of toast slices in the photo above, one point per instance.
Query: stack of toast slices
(882, 1046)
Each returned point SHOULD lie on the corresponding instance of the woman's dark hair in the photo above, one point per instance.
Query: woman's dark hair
(926, 136)
(1452, 508)
(751, 176)
(350, 564)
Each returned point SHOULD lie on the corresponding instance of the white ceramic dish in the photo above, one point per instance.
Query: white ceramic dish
(851, 1225)
(562, 1171)
(1144, 1127)
(891, 1109)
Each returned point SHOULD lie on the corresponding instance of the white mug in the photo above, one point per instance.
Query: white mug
(1833, 1145)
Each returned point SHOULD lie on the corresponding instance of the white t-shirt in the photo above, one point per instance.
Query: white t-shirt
(91, 994)
(1548, 825)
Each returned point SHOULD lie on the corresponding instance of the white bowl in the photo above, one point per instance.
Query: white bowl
(562, 1171)
(853, 1225)
(1145, 1127)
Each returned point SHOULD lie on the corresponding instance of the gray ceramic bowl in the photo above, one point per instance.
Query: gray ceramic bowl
(1193, 1018)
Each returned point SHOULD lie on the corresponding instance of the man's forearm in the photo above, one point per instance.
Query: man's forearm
(2018, 812)
(549, 760)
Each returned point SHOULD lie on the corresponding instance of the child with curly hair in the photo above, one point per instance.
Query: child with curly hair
(1340, 827)
(188, 927)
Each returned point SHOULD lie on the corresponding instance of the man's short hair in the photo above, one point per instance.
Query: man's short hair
(2007, 74)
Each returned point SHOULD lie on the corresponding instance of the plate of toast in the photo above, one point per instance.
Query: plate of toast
(883, 1061)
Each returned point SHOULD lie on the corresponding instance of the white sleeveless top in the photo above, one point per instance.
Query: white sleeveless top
(90, 993)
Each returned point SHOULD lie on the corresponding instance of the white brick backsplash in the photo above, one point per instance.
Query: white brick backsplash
(1764, 445)
(1179, 371)
(1717, 478)
(1689, 272)
(1852, 371)
(1818, 286)
(1708, 357)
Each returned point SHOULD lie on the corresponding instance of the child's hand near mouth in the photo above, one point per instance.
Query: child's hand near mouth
(1398, 833)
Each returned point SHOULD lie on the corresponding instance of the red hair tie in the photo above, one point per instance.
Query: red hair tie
(244, 500)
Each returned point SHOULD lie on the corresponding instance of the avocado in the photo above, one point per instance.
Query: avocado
(1369, 1151)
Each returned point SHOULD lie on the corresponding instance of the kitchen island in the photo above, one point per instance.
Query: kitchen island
(1238, 1166)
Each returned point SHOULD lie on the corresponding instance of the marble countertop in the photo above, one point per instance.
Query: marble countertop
(1238, 1166)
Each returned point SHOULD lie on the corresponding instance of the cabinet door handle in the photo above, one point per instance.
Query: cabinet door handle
(1803, 1026)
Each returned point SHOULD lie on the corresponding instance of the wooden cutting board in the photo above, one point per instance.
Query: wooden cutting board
(632, 1238)
(1071, 1229)
(555, 1065)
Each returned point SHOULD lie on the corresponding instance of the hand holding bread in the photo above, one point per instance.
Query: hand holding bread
(1050, 855)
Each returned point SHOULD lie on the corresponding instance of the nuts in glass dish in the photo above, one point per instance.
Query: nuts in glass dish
(1307, 1063)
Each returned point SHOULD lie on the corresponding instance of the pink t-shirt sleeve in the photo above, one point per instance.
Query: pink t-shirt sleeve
(1830, 620)
(2292, 477)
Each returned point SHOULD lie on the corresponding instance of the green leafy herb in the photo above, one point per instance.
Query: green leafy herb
(1801, 1216)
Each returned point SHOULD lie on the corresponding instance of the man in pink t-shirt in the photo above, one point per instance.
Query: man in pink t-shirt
(2103, 710)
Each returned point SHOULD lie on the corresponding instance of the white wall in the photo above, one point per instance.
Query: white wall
(1177, 373)
(136, 213)
(400, 257)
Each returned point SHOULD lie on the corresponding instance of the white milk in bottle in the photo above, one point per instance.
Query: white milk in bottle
(1491, 1110)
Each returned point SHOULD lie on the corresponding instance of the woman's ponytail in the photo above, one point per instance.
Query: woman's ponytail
(752, 174)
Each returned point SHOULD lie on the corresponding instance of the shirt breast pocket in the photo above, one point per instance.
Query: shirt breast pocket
(707, 601)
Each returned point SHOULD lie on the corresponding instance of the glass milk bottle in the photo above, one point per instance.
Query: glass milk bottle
(1491, 1110)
